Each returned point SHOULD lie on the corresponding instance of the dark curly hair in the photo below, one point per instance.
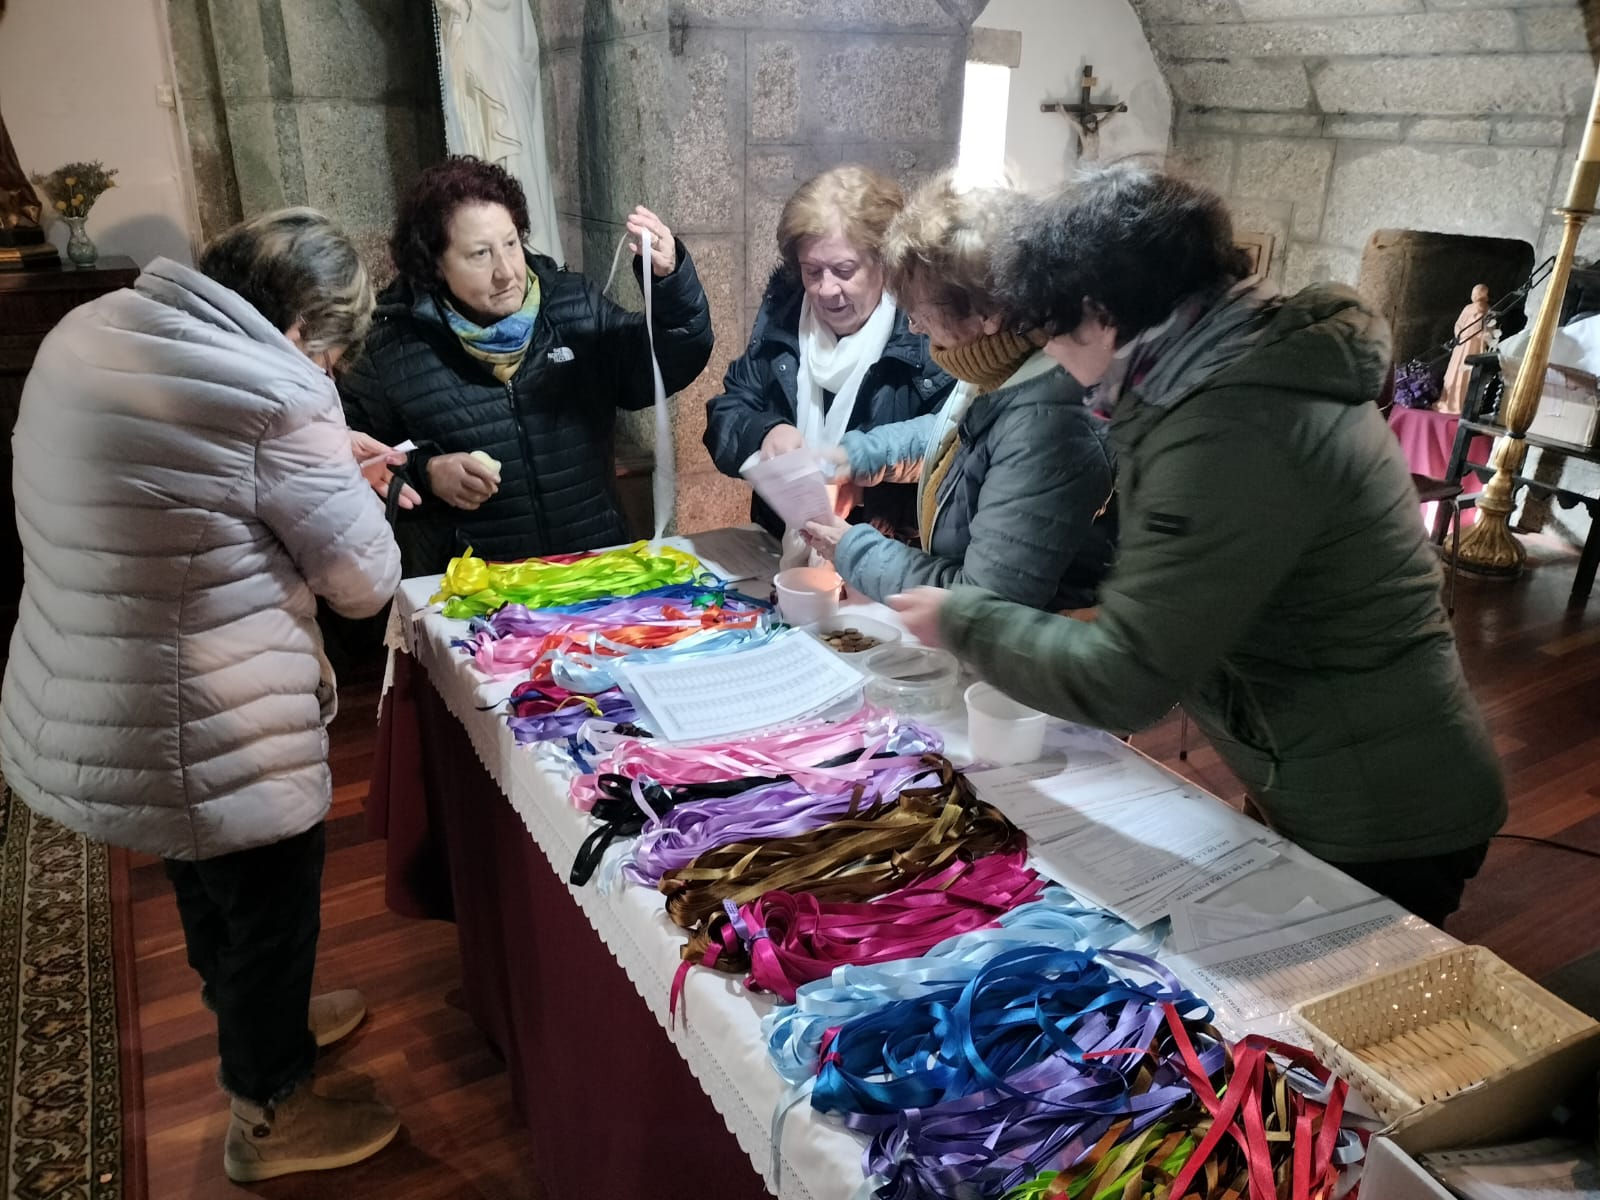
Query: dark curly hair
(422, 229)
(1125, 241)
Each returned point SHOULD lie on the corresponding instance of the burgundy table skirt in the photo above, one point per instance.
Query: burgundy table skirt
(611, 1106)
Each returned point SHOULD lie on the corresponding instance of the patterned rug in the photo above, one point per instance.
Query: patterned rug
(61, 1100)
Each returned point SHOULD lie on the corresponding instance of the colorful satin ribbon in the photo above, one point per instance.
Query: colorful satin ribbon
(795, 752)
(1285, 1138)
(1052, 1114)
(972, 1091)
(1118, 1169)
(1020, 1008)
(786, 939)
(548, 713)
(855, 858)
(556, 646)
(472, 587)
(780, 809)
(1056, 920)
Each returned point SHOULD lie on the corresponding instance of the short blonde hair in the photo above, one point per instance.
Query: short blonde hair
(941, 249)
(296, 265)
(851, 200)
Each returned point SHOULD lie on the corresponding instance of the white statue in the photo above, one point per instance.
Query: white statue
(493, 104)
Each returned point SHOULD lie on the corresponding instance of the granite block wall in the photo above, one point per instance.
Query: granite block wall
(331, 103)
(711, 112)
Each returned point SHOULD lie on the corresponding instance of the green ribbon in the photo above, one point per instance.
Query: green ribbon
(472, 587)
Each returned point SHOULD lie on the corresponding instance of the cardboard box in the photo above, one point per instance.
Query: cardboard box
(1569, 407)
(1389, 1173)
(1509, 1104)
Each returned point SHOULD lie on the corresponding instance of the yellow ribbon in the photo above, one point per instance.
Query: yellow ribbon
(472, 587)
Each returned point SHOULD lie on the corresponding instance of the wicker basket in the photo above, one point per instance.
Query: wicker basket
(1429, 1030)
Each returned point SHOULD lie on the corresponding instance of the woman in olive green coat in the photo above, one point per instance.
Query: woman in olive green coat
(1273, 575)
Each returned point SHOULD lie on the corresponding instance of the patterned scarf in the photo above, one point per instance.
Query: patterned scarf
(502, 344)
(1204, 333)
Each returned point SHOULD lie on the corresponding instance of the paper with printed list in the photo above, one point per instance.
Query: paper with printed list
(1122, 832)
(793, 487)
(1254, 981)
(706, 698)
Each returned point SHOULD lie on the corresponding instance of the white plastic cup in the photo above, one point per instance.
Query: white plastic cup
(807, 594)
(1000, 730)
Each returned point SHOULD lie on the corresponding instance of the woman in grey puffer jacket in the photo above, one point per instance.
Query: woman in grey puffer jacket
(1014, 475)
(185, 487)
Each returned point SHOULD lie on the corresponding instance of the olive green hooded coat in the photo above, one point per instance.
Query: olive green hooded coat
(1274, 579)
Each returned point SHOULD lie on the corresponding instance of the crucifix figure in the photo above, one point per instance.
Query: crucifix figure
(1085, 116)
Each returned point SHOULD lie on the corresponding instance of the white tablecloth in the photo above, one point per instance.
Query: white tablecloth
(719, 1032)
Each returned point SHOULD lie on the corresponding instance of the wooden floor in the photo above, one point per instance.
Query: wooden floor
(1535, 665)
(417, 1049)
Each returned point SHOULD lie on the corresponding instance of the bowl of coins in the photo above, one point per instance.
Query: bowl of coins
(848, 634)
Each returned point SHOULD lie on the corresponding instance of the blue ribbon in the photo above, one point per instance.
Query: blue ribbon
(1021, 1007)
(1057, 919)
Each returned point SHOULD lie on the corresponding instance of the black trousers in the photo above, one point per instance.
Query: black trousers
(251, 921)
(1430, 887)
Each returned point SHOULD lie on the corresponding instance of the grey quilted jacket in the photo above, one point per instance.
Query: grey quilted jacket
(184, 489)
(1024, 510)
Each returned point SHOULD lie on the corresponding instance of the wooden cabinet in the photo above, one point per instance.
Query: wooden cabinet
(31, 302)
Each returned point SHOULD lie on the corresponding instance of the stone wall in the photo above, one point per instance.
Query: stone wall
(711, 112)
(331, 103)
(1323, 120)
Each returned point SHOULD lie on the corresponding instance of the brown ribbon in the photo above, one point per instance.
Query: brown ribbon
(858, 857)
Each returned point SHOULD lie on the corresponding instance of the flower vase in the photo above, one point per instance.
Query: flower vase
(81, 251)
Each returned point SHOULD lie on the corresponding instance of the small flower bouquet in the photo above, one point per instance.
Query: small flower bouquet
(73, 189)
(1415, 385)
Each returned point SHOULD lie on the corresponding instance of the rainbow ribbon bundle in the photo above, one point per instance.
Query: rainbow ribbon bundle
(572, 646)
(472, 587)
(991, 1036)
(973, 1089)
(1255, 1131)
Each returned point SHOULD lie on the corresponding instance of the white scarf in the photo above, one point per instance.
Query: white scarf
(829, 363)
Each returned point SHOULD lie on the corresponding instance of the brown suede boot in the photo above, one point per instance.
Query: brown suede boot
(335, 1015)
(305, 1132)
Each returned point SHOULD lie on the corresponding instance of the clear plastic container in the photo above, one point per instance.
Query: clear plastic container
(914, 681)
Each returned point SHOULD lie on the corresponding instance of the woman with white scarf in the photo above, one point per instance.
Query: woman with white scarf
(830, 351)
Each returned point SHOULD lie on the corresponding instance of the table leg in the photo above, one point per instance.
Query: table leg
(1583, 583)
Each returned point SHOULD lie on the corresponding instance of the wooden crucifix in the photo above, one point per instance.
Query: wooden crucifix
(1085, 116)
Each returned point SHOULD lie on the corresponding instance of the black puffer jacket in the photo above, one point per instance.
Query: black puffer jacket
(550, 426)
(758, 394)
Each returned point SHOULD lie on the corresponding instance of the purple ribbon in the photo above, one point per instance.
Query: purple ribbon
(644, 608)
(1046, 1118)
(774, 810)
(615, 708)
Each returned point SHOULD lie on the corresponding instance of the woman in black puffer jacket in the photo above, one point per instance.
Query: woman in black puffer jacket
(482, 345)
(830, 351)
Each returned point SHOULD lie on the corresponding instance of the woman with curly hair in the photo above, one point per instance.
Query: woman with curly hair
(1014, 475)
(830, 350)
(1272, 576)
(483, 350)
